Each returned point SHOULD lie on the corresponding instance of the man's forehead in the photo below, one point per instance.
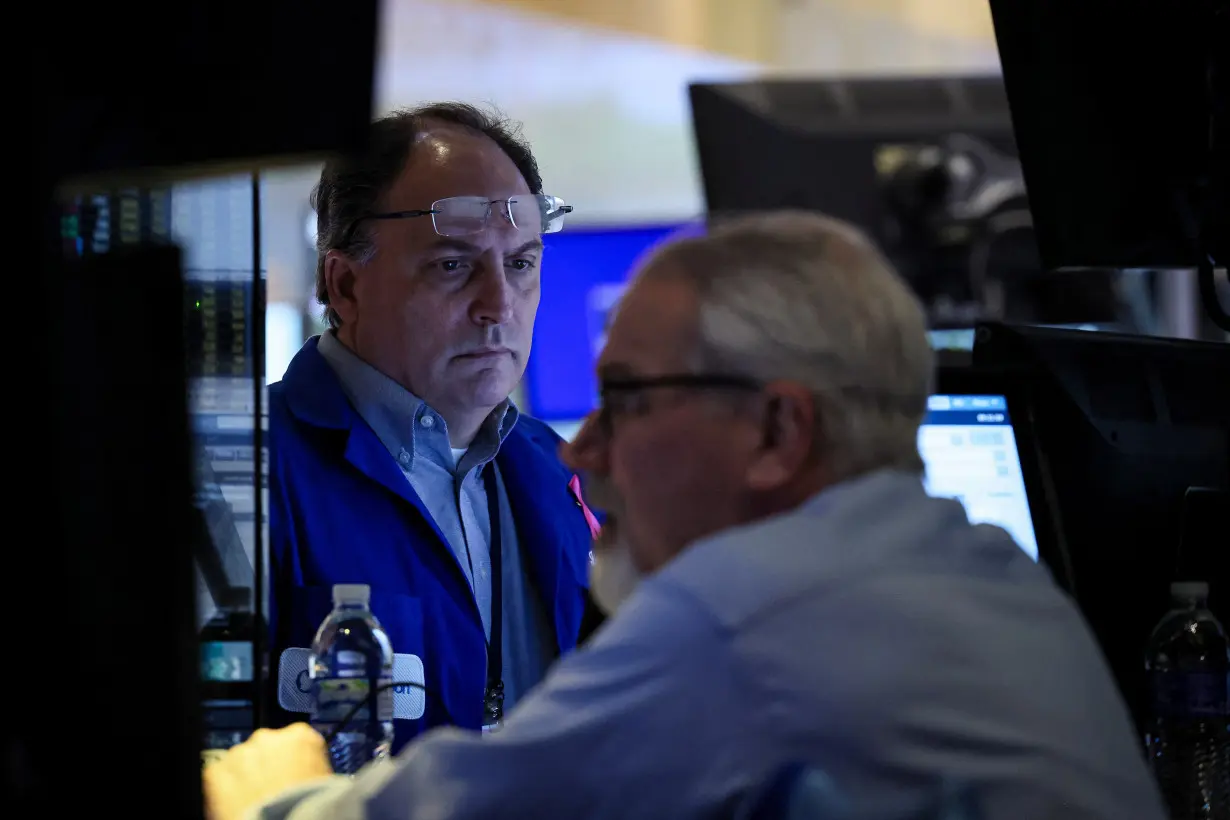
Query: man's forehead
(653, 329)
(449, 161)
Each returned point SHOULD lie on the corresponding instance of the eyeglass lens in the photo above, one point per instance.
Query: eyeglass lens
(464, 215)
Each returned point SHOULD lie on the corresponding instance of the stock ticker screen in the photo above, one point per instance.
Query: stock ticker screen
(212, 223)
(211, 220)
(98, 223)
(218, 327)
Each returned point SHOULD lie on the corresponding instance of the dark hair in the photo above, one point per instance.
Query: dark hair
(351, 187)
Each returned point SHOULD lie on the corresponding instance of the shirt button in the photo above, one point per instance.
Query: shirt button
(404, 458)
(428, 421)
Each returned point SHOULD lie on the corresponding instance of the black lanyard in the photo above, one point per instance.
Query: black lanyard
(493, 698)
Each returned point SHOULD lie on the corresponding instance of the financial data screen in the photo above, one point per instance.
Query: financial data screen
(211, 221)
(968, 445)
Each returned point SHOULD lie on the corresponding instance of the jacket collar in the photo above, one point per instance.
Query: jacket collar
(536, 483)
(313, 393)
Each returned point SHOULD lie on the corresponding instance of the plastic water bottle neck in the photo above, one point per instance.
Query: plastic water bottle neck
(1191, 602)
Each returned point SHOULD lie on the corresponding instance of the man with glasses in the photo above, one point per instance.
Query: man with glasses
(397, 459)
(793, 594)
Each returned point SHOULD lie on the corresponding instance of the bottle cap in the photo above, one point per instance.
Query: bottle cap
(351, 594)
(1189, 590)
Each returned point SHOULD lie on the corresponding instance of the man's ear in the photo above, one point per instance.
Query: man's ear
(340, 284)
(788, 419)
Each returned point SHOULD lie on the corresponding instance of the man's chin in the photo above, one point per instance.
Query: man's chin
(489, 384)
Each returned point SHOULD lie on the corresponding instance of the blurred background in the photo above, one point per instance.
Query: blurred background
(601, 89)
(606, 93)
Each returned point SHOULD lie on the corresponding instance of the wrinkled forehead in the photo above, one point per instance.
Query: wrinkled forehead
(652, 330)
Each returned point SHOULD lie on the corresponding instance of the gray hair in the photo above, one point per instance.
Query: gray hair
(801, 297)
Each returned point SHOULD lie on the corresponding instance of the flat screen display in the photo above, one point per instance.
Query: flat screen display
(584, 272)
(969, 448)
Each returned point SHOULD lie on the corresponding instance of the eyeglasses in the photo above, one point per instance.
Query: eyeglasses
(468, 215)
(627, 396)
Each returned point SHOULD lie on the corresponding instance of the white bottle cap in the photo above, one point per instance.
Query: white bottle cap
(351, 594)
(1189, 590)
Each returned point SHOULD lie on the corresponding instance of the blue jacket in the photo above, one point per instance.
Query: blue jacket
(341, 511)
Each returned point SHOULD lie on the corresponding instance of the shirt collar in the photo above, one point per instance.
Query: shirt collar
(406, 425)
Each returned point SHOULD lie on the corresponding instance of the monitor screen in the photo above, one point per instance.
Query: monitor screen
(969, 448)
(584, 273)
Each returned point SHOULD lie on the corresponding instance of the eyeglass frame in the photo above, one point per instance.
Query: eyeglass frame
(689, 381)
(348, 237)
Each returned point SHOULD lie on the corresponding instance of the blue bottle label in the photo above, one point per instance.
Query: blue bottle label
(1191, 694)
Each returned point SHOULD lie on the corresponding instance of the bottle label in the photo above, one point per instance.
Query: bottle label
(335, 697)
(1191, 694)
(347, 686)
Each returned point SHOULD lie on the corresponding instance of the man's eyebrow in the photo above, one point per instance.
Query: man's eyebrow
(533, 246)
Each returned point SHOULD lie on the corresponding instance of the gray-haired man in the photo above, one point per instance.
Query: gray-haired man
(791, 594)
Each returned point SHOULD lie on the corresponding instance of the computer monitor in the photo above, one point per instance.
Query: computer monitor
(978, 446)
(585, 271)
(926, 165)
(243, 99)
(969, 447)
(110, 573)
(1119, 114)
(1128, 425)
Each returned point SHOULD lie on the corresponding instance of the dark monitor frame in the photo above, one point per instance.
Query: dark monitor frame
(1129, 423)
(1115, 111)
(828, 144)
(968, 380)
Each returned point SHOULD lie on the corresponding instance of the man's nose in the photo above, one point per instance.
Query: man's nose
(587, 450)
(494, 303)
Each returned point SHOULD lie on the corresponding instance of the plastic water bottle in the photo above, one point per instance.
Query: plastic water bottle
(351, 668)
(1188, 662)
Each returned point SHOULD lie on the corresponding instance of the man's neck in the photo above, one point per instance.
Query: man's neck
(463, 424)
(463, 427)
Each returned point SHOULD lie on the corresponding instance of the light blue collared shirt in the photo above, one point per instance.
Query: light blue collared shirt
(454, 492)
(873, 633)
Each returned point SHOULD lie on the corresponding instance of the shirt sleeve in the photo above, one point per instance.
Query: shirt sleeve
(641, 723)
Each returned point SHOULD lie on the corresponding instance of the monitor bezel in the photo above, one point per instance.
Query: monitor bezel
(972, 381)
